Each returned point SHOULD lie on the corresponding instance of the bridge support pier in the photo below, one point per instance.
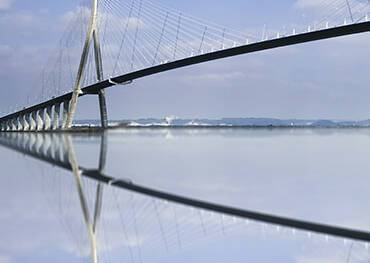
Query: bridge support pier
(13, 125)
(47, 118)
(26, 125)
(103, 109)
(39, 120)
(56, 116)
(10, 125)
(65, 114)
(32, 116)
(16, 124)
(19, 123)
(22, 119)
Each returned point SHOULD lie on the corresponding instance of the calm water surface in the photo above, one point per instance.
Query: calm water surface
(319, 175)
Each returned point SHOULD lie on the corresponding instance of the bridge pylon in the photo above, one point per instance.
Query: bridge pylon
(91, 36)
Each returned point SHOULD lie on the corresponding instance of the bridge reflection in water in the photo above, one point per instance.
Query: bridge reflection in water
(160, 221)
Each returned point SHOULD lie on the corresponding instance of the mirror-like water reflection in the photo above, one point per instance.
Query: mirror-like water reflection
(180, 195)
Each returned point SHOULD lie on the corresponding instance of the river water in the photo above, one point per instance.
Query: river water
(54, 213)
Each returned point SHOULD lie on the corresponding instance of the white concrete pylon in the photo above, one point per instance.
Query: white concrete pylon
(14, 124)
(39, 120)
(26, 125)
(47, 118)
(85, 53)
(19, 123)
(65, 114)
(56, 116)
(32, 118)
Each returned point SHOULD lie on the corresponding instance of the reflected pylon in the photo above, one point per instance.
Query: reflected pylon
(92, 225)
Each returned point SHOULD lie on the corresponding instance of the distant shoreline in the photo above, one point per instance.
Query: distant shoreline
(225, 123)
(93, 129)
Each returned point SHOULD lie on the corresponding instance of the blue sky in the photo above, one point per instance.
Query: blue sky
(326, 79)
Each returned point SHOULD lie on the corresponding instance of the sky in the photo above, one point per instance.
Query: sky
(326, 79)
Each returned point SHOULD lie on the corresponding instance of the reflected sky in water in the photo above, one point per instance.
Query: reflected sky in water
(316, 175)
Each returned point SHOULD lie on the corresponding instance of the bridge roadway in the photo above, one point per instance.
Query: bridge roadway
(54, 149)
(300, 38)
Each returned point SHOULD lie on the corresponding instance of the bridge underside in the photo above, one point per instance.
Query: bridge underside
(52, 114)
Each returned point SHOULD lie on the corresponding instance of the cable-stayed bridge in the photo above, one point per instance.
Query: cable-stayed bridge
(125, 40)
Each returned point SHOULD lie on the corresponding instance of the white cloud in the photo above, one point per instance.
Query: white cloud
(5, 4)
